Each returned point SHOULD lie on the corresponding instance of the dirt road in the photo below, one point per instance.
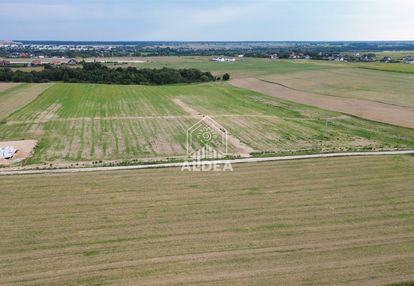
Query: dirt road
(179, 165)
(396, 115)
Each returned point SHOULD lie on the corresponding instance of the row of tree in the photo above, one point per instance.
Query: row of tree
(98, 73)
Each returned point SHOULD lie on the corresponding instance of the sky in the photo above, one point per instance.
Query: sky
(207, 20)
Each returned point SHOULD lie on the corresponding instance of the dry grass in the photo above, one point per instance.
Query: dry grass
(379, 86)
(316, 222)
(6, 85)
(15, 98)
(364, 108)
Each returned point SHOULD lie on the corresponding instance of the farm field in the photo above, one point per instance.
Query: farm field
(243, 67)
(379, 86)
(19, 95)
(341, 221)
(86, 122)
(396, 55)
(7, 85)
(392, 67)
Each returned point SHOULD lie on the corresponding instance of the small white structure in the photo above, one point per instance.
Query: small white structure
(219, 59)
(7, 152)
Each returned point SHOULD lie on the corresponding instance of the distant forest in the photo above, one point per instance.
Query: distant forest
(98, 73)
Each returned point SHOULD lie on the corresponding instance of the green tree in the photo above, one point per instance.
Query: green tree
(66, 76)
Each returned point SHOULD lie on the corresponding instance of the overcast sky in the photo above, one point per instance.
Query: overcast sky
(207, 20)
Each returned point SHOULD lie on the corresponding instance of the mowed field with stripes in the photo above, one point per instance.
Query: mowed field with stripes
(340, 221)
(90, 123)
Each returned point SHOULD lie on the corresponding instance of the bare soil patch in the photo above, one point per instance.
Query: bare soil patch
(391, 114)
(24, 150)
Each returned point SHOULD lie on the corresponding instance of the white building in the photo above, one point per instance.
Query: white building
(221, 59)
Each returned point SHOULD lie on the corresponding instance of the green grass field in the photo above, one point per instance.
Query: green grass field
(342, 221)
(391, 67)
(86, 122)
(241, 68)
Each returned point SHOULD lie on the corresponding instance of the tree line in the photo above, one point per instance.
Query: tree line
(98, 73)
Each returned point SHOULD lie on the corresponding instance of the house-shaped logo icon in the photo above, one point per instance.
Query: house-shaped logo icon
(207, 137)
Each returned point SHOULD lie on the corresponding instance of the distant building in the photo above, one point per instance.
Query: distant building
(408, 60)
(55, 62)
(368, 58)
(220, 59)
(4, 63)
(72, 62)
(274, 56)
(36, 62)
(386, 59)
(294, 56)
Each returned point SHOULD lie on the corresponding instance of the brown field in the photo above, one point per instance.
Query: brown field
(15, 99)
(335, 221)
(379, 86)
(6, 85)
(381, 112)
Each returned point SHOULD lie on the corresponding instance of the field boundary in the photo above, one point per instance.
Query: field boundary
(180, 164)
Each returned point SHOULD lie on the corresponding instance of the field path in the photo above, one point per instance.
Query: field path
(17, 171)
(391, 114)
(242, 149)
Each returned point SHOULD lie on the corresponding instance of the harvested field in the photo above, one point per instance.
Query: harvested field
(24, 150)
(384, 87)
(17, 97)
(335, 221)
(386, 113)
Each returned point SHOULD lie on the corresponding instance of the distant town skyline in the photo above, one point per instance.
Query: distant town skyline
(190, 20)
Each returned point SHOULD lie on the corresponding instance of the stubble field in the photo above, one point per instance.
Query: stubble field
(379, 86)
(342, 221)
